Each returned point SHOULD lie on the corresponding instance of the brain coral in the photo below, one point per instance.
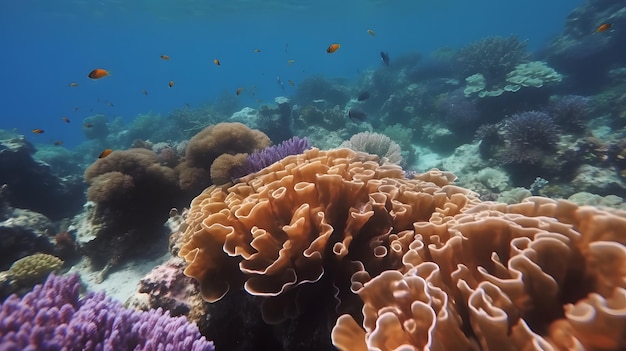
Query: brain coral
(309, 214)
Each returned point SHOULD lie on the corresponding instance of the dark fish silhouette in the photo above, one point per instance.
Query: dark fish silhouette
(357, 115)
(385, 57)
(364, 95)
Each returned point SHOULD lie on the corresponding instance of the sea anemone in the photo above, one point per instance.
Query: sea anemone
(528, 135)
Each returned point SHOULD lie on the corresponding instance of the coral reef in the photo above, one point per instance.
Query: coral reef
(492, 57)
(528, 135)
(377, 144)
(54, 317)
(548, 277)
(133, 193)
(293, 230)
(570, 112)
(265, 157)
(206, 146)
(33, 269)
(32, 185)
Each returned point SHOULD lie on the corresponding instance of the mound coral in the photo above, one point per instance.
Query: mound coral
(54, 317)
(210, 143)
(33, 269)
(133, 193)
(529, 135)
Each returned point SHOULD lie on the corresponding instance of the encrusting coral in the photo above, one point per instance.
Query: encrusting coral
(434, 267)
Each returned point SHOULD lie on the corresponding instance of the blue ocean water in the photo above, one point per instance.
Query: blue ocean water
(48, 45)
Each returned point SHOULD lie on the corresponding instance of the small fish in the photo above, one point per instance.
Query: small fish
(73, 84)
(98, 73)
(105, 153)
(171, 83)
(145, 92)
(385, 57)
(371, 32)
(280, 83)
(109, 103)
(357, 115)
(58, 143)
(332, 48)
(217, 62)
(603, 27)
(364, 95)
(165, 57)
(187, 105)
(291, 83)
(257, 50)
(76, 109)
(290, 62)
(37, 131)
(239, 90)
(65, 119)
(88, 125)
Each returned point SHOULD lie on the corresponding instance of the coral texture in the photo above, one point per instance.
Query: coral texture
(542, 274)
(54, 317)
(306, 215)
(493, 57)
(31, 269)
(210, 143)
(377, 144)
(529, 135)
(265, 157)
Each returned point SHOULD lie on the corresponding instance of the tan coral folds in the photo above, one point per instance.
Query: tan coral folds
(531, 276)
(285, 225)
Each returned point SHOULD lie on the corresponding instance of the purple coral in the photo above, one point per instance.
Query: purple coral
(54, 317)
(570, 112)
(493, 57)
(528, 135)
(265, 157)
(458, 112)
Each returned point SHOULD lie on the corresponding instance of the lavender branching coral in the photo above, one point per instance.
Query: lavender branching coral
(54, 317)
(570, 112)
(493, 57)
(265, 157)
(528, 135)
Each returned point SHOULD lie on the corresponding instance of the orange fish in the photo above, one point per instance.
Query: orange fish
(603, 27)
(58, 143)
(73, 84)
(217, 62)
(105, 153)
(98, 73)
(371, 32)
(332, 48)
(88, 125)
(38, 131)
(65, 119)
(238, 91)
(291, 83)
(145, 92)
(171, 83)
(165, 57)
